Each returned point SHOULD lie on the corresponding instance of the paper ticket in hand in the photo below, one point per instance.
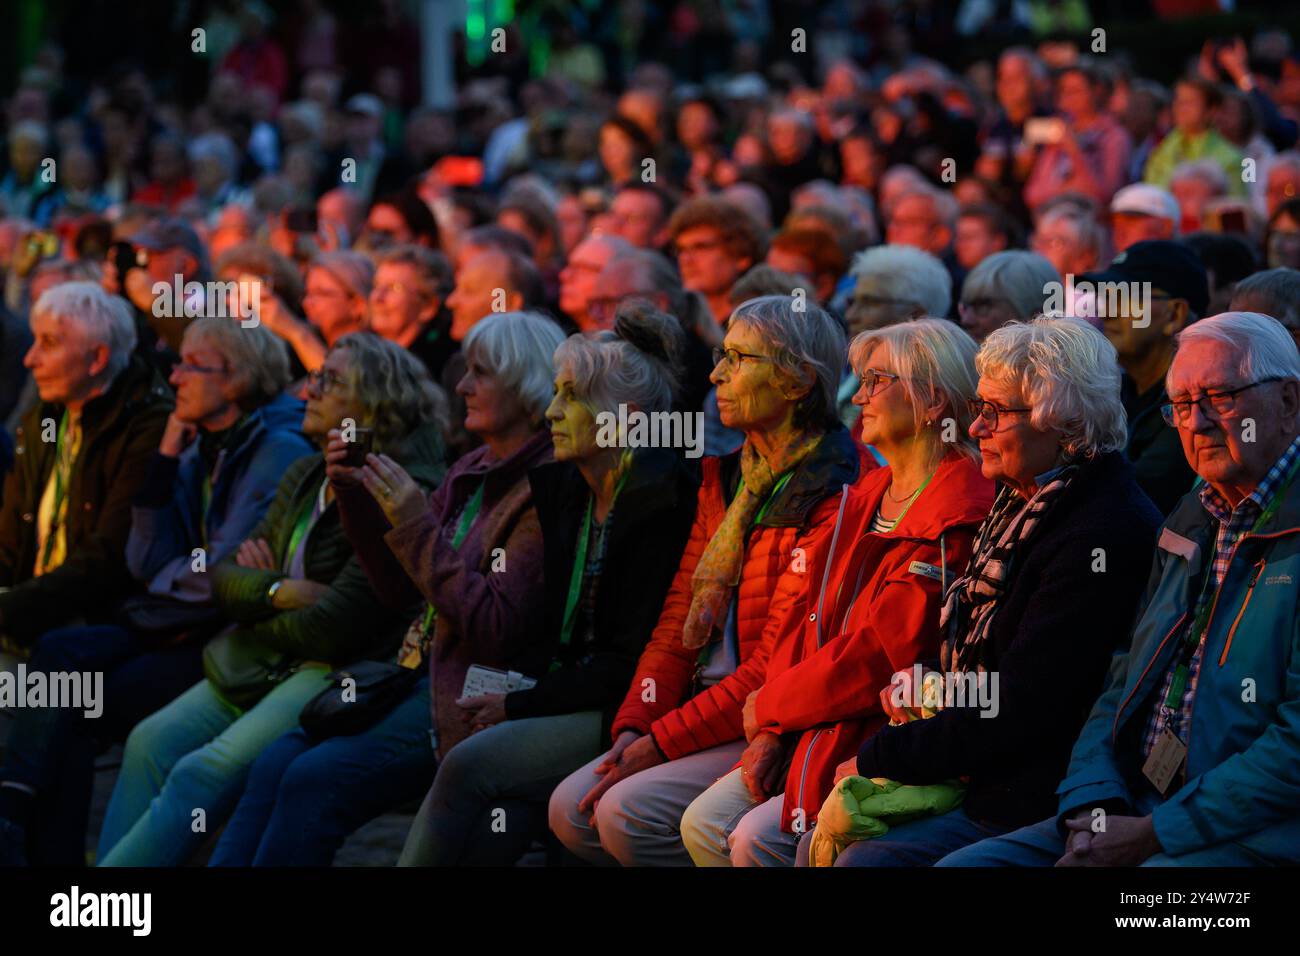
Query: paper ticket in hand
(481, 680)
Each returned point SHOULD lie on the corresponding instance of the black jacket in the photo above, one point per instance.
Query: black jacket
(1155, 449)
(650, 523)
(1050, 643)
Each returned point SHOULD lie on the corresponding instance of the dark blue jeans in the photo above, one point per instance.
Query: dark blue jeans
(922, 842)
(53, 750)
(302, 800)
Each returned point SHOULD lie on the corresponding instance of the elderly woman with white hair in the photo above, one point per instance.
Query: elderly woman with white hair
(83, 451)
(679, 727)
(469, 557)
(1009, 286)
(615, 515)
(1031, 625)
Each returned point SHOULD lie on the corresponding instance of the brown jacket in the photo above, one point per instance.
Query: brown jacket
(120, 432)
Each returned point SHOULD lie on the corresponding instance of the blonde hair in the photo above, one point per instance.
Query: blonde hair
(932, 357)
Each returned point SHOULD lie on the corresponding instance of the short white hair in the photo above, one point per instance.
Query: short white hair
(907, 273)
(1265, 347)
(1068, 373)
(97, 317)
(1205, 170)
(517, 347)
(1015, 276)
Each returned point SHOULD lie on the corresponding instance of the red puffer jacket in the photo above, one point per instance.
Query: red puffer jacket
(876, 612)
(773, 576)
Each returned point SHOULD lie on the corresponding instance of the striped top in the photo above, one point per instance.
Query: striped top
(882, 525)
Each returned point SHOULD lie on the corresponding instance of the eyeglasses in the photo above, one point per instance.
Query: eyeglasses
(872, 377)
(980, 306)
(1222, 404)
(190, 367)
(875, 301)
(733, 357)
(987, 412)
(325, 380)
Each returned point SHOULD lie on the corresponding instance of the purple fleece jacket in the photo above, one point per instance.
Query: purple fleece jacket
(486, 615)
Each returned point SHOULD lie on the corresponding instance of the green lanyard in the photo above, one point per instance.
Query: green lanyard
(302, 524)
(781, 483)
(703, 659)
(1182, 672)
(575, 577)
(467, 516)
(911, 501)
(580, 568)
(59, 464)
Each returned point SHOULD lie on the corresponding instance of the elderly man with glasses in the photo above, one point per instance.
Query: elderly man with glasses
(1189, 757)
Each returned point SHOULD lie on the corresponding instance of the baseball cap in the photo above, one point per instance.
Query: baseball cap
(1143, 199)
(366, 103)
(1168, 266)
(169, 232)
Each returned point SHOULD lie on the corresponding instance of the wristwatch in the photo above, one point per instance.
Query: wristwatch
(270, 592)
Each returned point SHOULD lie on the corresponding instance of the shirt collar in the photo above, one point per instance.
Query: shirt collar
(1048, 475)
(1259, 499)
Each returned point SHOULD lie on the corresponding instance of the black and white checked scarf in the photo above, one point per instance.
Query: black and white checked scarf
(973, 598)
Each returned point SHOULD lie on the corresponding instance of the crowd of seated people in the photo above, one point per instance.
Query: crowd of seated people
(694, 474)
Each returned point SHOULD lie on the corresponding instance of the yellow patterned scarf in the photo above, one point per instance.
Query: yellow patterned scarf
(718, 572)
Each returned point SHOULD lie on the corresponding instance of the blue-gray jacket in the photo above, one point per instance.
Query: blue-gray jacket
(165, 523)
(1243, 759)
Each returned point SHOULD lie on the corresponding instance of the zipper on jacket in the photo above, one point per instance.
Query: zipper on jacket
(1119, 711)
(803, 774)
(1231, 554)
(830, 557)
(1232, 631)
(1191, 710)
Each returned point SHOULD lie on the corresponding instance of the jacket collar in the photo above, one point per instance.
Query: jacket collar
(134, 385)
(536, 451)
(958, 494)
(652, 482)
(835, 462)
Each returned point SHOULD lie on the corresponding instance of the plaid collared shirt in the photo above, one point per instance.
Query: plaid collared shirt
(1233, 523)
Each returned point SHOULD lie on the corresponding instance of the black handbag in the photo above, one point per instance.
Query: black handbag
(343, 709)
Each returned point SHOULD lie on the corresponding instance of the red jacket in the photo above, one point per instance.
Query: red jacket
(875, 612)
(773, 575)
